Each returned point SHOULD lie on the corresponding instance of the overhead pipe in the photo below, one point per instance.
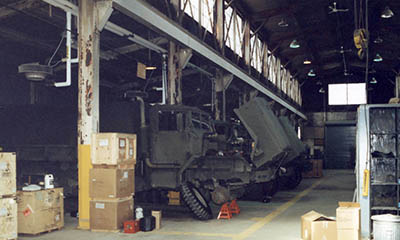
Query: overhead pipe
(72, 9)
(164, 79)
(68, 58)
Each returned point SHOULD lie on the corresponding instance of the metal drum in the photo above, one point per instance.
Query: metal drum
(386, 227)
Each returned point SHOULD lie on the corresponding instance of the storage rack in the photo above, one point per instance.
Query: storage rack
(378, 138)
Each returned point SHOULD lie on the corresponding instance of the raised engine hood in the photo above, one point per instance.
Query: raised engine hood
(272, 143)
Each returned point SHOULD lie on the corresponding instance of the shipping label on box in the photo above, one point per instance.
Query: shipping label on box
(348, 215)
(315, 226)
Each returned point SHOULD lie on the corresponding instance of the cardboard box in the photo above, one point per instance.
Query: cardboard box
(108, 183)
(348, 215)
(8, 186)
(348, 234)
(110, 214)
(158, 216)
(40, 211)
(113, 148)
(8, 218)
(315, 226)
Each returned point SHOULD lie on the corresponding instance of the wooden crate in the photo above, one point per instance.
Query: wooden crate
(174, 198)
(113, 149)
(8, 185)
(316, 171)
(8, 219)
(40, 211)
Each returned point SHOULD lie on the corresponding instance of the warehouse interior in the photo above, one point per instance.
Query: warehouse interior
(175, 114)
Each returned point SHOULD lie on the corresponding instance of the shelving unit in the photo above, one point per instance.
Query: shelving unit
(378, 152)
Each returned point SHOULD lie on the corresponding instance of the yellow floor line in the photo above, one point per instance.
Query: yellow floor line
(201, 234)
(246, 233)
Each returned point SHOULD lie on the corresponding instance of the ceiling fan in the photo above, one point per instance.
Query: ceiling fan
(334, 9)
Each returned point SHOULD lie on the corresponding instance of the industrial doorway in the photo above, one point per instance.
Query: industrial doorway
(340, 145)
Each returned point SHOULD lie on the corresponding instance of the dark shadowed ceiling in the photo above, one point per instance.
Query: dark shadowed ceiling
(30, 31)
(326, 38)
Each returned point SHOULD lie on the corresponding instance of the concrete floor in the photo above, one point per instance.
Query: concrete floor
(278, 220)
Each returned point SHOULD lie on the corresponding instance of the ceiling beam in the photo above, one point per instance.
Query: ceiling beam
(26, 39)
(13, 8)
(135, 47)
(266, 14)
(144, 13)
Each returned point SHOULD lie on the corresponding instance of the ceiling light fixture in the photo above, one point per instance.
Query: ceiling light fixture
(294, 44)
(151, 68)
(373, 81)
(283, 23)
(321, 90)
(319, 83)
(378, 40)
(311, 73)
(378, 58)
(387, 13)
(307, 61)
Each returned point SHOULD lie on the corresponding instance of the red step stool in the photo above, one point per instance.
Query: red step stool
(225, 212)
(131, 226)
(234, 207)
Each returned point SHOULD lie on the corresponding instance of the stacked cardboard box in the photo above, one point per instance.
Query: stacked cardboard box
(315, 226)
(348, 221)
(8, 188)
(40, 211)
(112, 185)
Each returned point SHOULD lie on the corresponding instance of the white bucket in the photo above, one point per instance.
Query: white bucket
(386, 227)
(48, 181)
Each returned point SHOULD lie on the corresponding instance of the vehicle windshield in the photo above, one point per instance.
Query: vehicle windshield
(202, 121)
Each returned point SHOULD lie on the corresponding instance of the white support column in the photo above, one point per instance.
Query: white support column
(92, 17)
(219, 20)
(174, 94)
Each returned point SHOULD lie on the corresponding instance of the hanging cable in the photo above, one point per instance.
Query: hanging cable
(55, 52)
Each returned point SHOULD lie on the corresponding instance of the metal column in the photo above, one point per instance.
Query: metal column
(363, 149)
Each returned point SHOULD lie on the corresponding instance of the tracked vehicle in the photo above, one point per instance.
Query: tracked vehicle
(179, 149)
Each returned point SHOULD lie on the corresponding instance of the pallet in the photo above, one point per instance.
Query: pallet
(8, 196)
(106, 230)
(40, 233)
(129, 165)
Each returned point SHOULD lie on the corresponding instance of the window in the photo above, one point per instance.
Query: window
(171, 121)
(233, 30)
(347, 94)
(200, 10)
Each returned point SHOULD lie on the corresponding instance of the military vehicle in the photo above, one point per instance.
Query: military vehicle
(180, 149)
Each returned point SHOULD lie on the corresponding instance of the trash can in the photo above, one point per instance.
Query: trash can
(386, 227)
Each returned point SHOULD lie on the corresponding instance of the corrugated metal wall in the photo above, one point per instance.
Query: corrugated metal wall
(340, 146)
